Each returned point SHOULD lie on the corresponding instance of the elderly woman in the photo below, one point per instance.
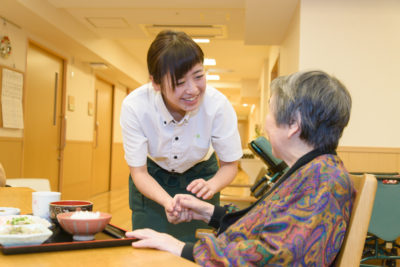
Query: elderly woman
(302, 219)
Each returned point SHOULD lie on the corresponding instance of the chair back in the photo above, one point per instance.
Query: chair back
(37, 184)
(353, 244)
(262, 148)
(385, 216)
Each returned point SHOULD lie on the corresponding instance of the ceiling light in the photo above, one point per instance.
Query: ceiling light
(219, 70)
(244, 105)
(209, 62)
(213, 77)
(98, 65)
(204, 41)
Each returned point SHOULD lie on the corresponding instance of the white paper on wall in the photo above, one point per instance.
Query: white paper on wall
(11, 99)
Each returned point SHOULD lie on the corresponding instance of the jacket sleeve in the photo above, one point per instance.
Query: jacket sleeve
(298, 229)
(217, 216)
(215, 221)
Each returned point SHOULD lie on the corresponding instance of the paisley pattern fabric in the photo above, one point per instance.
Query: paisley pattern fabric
(301, 223)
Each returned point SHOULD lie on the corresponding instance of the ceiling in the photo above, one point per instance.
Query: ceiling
(242, 31)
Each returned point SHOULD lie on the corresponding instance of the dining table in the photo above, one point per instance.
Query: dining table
(124, 255)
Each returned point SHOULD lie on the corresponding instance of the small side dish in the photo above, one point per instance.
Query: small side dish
(23, 220)
(23, 230)
(9, 211)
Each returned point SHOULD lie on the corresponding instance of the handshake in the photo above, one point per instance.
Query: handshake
(185, 208)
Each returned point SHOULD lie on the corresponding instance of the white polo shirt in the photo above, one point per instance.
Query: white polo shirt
(148, 129)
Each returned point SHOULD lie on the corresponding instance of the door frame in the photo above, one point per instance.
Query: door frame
(98, 77)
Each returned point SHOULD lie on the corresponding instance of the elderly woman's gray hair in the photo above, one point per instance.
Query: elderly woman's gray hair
(322, 102)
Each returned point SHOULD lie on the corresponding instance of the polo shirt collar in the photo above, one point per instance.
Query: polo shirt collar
(164, 112)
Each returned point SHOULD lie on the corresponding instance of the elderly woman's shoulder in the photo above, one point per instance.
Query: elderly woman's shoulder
(330, 171)
(325, 167)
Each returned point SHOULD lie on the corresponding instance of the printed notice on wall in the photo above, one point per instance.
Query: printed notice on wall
(11, 99)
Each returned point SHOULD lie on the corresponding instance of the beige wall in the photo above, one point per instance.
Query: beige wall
(18, 38)
(258, 115)
(264, 93)
(109, 51)
(358, 41)
(119, 95)
(80, 86)
(254, 118)
(16, 60)
(289, 51)
(119, 167)
(77, 155)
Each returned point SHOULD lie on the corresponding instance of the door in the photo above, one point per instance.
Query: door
(42, 126)
(102, 137)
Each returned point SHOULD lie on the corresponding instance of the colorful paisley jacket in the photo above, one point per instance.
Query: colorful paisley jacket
(301, 221)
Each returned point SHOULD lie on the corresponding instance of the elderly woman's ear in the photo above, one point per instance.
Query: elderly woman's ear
(295, 126)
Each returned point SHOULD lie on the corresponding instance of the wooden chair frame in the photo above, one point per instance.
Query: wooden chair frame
(356, 234)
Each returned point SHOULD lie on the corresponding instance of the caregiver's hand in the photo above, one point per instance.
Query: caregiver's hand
(177, 214)
(201, 188)
(152, 239)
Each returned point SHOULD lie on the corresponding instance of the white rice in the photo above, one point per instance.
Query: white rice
(85, 215)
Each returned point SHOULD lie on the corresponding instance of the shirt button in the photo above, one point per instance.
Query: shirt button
(175, 157)
(165, 122)
(176, 138)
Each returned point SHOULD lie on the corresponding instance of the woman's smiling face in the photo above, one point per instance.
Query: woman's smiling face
(188, 93)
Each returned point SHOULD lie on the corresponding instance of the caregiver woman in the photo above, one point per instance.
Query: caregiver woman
(171, 128)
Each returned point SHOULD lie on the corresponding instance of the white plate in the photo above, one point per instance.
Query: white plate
(7, 239)
(9, 211)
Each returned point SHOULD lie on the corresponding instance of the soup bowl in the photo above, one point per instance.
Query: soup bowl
(63, 206)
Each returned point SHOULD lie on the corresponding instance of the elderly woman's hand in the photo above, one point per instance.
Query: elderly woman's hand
(183, 215)
(152, 239)
(177, 214)
(196, 209)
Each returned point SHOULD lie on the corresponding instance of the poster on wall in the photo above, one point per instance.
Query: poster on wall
(11, 99)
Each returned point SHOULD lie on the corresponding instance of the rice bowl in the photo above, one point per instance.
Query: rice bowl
(83, 228)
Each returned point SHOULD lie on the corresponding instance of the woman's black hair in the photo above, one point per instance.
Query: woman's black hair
(173, 54)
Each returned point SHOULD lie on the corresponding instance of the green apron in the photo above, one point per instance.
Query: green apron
(146, 213)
